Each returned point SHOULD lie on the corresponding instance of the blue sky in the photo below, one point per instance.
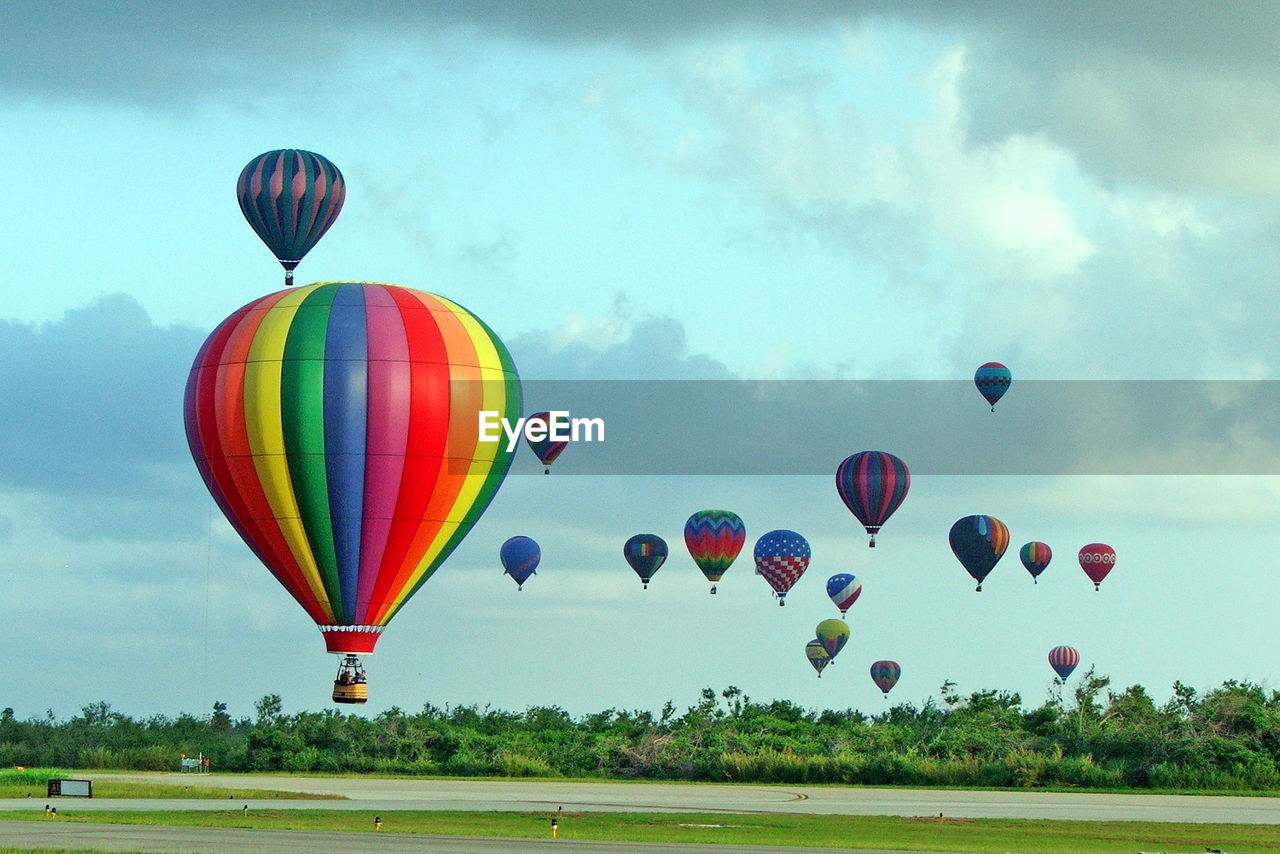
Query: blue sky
(810, 191)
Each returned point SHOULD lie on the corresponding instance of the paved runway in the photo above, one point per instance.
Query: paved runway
(385, 795)
(205, 840)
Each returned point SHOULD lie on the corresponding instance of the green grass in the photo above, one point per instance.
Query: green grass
(885, 832)
(33, 782)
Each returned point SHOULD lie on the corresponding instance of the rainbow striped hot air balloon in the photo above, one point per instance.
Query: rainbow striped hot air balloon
(546, 449)
(714, 539)
(290, 197)
(336, 425)
(872, 485)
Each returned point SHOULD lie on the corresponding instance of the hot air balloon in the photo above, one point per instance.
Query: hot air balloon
(978, 543)
(885, 674)
(520, 557)
(290, 197)
(844, 589)
(782, 556)
(545, 449)
(993, 380)
(714, 539)
(872, 485)
(833, 634)
(1063, 660)
(336, 426)
(817, 655)
(645, 553)
(1035, 557)
(1097, 559)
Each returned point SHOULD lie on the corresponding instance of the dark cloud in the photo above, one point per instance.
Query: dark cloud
(92, 419)
(654, 349)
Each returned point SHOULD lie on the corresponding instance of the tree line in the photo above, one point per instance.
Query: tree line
(1227, 738)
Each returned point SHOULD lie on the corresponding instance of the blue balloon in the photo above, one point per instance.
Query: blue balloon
(520, 557)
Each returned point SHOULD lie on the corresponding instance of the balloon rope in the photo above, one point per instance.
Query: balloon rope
(208, 575)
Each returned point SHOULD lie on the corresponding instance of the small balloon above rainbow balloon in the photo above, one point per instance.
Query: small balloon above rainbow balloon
(872, 484)
(645, 553)
(1035, 556)
(886, 674)
(993, 380)
(1063, 660)
(844, 589)
(520, 557)
(714, 539)
(290, 197)
(817, 655)
(1097, 559)
(978, 542)
(782, 556)
(546, 449)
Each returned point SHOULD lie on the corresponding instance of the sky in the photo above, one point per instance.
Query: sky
(862, 198)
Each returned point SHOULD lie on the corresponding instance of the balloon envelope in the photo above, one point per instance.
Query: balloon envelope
(1097, 559)
(714, 539)
(520, 556)
(844, 589)
(290, 197)
(872, 485)
(833, 634)
(978, 543)
(336, 425)
(782, 556)
(1063, 660)
(645, 553)
(817, 655)
(545, 449)
(1035, 556)
(885, 674)
(993, 380)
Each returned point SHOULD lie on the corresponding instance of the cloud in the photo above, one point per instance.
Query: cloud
(93, 419)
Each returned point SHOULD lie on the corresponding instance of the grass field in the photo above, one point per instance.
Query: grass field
(33, 783)
(886, 832)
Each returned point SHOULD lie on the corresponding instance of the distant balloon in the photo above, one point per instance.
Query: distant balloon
(993, 380)
(1097, 559)
(1035, 557)
(714, 539)
(290, 198)
(1063, 660)
(545, 449)
(978, 543)
(645, 553)
(782, 556)
(833, 634)
(872, 485)
(817, 655)
(885, 674)
(844, 589)
(520, 557)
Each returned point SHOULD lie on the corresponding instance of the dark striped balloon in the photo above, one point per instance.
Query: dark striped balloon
(290, 197)
(546, 449)
(872, 485)
(993, 380)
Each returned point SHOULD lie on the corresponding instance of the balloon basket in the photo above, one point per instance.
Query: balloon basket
(351, 685)
(713, 590)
